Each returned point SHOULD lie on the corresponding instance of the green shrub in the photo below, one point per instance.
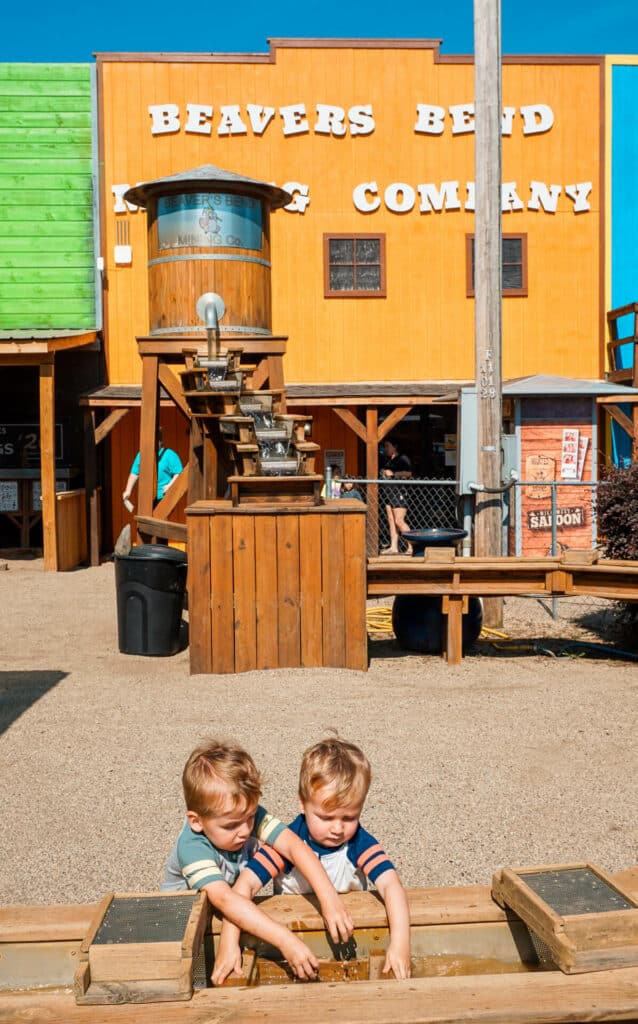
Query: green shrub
(617, 508)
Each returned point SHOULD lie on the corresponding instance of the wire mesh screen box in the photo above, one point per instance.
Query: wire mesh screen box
(141, 948)
(579, 918)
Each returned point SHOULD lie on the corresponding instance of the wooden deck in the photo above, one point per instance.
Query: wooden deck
(456, 579)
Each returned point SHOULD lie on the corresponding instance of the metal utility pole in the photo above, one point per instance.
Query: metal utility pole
(487, 282)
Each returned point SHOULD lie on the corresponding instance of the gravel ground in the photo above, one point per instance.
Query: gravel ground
(520, 755)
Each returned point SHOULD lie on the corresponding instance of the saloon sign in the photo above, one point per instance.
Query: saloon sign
(541, 519)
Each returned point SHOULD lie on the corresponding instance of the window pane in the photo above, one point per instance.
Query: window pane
(512, 277)
(342, 250)
(369, 279)
(341, 279)
(512, 250)
(368, 250)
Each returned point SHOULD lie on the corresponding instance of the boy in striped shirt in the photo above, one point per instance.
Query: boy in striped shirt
(225, 826)
(333, 785)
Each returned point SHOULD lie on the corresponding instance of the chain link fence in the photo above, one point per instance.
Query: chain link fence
(429, 504)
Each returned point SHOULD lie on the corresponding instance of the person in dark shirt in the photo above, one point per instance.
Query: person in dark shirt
(397, 467)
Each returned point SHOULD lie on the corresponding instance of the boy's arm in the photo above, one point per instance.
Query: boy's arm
(396, 907)
(243, 913)
(228, 955)
(337, 919)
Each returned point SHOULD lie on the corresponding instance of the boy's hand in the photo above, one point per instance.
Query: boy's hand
(227, 960)
(303, 962)
(397, 960)
(338, 921)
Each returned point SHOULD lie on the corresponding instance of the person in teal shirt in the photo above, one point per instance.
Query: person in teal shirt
(169, 466)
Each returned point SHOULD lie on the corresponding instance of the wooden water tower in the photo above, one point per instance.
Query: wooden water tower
(208, 231)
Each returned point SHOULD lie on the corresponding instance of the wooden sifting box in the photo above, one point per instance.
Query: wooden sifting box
(141, 948)
(579, 918)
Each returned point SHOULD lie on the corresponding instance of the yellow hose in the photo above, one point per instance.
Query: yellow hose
(379, 620)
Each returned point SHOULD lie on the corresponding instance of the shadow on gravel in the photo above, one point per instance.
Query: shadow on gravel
(549, 647)
(19, 690)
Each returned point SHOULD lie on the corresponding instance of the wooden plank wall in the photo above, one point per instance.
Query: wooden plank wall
(47, 259)
(573, 504)
(422, 329)
(276, 588)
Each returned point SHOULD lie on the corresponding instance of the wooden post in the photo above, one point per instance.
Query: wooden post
(90, 485)
(47, 464)
(147, 483)
(487, 281)
(372, 473)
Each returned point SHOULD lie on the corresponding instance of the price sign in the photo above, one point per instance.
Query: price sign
(20, 445)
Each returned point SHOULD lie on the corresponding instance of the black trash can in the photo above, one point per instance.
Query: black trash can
(150, 583)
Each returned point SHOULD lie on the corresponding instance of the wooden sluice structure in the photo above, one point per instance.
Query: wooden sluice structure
(473, 963)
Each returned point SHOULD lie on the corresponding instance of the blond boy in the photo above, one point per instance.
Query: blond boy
(333, 785)
(225, 826)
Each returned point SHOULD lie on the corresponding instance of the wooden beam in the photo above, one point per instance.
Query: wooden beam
(149, 527)
(147, 483)
(173, 387)
(352, 422)
(522, 998)
(47, 466)
(173, 495)
(25, 359)
(106, 426)
(392, 419)
(621, 419)
(260, 376)
(45, 346)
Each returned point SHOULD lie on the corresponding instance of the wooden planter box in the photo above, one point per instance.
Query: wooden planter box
(276, 586)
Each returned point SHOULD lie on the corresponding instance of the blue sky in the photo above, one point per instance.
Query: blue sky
(45, 31)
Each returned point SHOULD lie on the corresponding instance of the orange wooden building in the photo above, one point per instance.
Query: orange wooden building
(372, 259)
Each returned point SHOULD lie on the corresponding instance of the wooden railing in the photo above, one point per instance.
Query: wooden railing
(627, 374)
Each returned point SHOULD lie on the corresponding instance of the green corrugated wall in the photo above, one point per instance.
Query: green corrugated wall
(47, 249)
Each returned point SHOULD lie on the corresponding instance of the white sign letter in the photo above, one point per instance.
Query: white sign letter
(544, 196)
(361, 120)
(507, 119)
(260, 117)
(462, 118)
(165, 119)
(231, 123)
(121, 205)
(429, 119)
(330, 120)
(294, 119)
(579, 194)
(510, 200)
(300, 198)
(360, 199)
(537, 117)
(433, 198)
(399, 197)
(199, 117)
(471, 195)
